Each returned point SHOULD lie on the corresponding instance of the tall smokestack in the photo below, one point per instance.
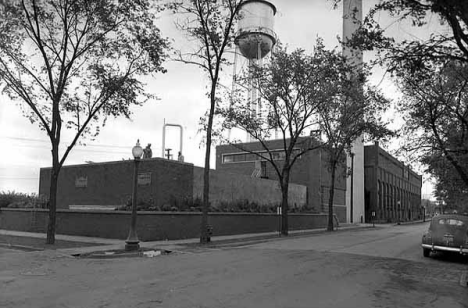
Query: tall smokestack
(352, 18)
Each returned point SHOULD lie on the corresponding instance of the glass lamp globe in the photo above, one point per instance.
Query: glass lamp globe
(137, 150)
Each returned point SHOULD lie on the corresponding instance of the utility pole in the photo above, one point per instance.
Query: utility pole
(168, 154)
(351, 204)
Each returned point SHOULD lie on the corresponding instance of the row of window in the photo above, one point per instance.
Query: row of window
(393, 201)
(244, 157)
(394, 180)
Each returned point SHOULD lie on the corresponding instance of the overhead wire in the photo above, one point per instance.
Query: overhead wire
(46, 141)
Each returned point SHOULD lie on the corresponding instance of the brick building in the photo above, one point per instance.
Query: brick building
(392, 190)
(160, 182)
(110, 183)
(310, 170)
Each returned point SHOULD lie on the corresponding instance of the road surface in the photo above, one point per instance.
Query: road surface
(381, 267)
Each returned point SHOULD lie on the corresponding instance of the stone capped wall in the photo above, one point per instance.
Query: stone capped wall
(152, 226)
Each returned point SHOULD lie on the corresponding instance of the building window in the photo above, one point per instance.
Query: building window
(245, 157)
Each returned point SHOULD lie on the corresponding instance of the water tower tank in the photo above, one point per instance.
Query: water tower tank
(255, 36)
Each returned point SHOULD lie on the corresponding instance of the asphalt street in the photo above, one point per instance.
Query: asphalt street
(371, 267)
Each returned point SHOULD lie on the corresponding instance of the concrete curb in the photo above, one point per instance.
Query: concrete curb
(121, 253)
(412, 222)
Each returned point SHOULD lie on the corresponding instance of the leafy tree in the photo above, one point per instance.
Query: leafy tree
(290, 87)
(449, 187)
(302, 93)
(429, 206)
(435, 109)
(416, 54)
(350, 111)
(415, 64)
(211, 25)
(72, 64)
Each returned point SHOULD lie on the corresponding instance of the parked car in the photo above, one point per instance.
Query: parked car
(448, 233)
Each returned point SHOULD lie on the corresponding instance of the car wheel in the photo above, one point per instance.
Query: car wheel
(426, 252)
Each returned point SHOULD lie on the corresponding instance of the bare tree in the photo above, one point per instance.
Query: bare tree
(75, 63)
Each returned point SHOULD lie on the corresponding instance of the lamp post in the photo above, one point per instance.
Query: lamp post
(399, 211)
(132, 242)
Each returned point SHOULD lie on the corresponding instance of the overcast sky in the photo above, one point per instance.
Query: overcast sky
(25, 148)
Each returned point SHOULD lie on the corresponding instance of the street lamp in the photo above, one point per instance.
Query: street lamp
(399, 211)
(132, 242)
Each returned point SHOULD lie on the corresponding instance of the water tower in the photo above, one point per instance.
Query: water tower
(255, 36)
(254, 40)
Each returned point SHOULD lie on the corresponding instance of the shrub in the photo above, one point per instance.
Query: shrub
(14, 199)
(196, 204)
(7, 198)
(123, 208)
(166, 207)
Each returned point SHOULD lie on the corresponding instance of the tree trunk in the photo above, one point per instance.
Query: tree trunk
(284, 203)
(206, 173)
(52, 208)
(206, 193)
(330, 199)
(53, 196)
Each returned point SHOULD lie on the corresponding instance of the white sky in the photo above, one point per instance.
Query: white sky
(25, 148)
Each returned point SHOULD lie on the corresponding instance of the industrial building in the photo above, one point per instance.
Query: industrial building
(392, 189)
(310, 170)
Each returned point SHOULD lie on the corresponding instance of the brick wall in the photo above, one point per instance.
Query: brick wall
(151, 226)
(392, 190)
(232, 187)
(311, 170)
(111, 183)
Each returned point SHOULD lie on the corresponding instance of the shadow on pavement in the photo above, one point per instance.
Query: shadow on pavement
(455, 258)
(24, 243)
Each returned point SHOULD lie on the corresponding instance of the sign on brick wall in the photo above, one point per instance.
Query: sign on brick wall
(81, 181)
(144, 179)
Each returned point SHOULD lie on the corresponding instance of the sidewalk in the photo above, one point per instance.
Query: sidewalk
(181, 245)
(412, 222)
(174, 245)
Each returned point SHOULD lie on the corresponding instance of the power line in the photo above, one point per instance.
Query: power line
(74, 149)
(17, 178)
(80, 145)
